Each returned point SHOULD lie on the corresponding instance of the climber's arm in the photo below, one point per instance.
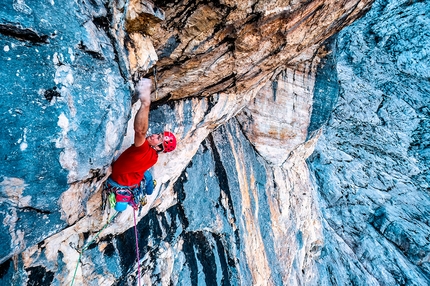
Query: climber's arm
(143, 90)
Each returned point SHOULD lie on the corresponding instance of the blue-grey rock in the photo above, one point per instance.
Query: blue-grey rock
(370, 165)
(230, 216)
(205, 229)
(326, 88)
(53, 100)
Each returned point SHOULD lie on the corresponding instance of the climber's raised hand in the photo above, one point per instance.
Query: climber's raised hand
(143, 90)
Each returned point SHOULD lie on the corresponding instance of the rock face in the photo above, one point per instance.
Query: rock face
(241, 44)
(371, 164)
(302, 156)
(62, 120)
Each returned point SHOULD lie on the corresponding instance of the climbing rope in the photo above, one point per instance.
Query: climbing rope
(89, 243)
(137, 247)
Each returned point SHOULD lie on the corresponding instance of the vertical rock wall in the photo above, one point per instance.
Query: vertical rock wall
(371, 163)
(237, 82)
(62, 121)
(237, 221)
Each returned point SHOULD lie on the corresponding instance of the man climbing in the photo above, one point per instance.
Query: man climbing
(129, 170)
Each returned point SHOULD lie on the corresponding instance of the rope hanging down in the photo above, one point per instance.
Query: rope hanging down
(89, 243)
(137, 247)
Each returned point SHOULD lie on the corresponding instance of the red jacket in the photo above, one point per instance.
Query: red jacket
(130, 166)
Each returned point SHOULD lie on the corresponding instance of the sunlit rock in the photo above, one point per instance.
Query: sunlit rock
(302, 155)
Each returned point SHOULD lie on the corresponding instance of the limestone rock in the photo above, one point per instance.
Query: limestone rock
(62, 120)
(290, 97)
(142, 16)
(251, 88)
(371, 164)
(230, 47)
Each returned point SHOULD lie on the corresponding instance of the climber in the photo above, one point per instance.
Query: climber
(129, 172)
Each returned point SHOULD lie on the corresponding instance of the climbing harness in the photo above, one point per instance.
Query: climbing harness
(137, 246)
(120, 196)
(89, 243)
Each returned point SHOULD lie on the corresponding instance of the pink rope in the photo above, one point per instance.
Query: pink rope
(137, 247)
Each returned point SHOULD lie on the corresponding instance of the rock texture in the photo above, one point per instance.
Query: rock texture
(251, 89)
(241, 44)
(62, 120)
(370, 164)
